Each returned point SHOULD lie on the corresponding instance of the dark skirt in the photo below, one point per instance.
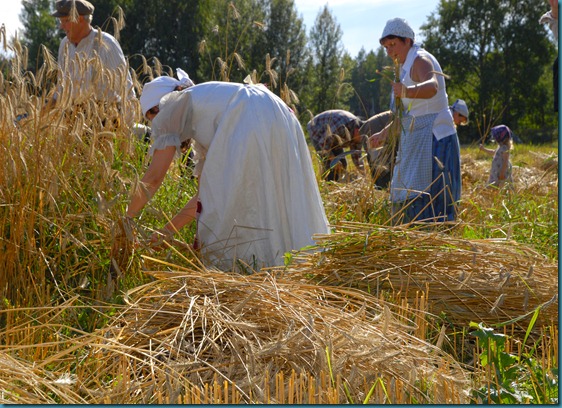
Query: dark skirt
(446, 187)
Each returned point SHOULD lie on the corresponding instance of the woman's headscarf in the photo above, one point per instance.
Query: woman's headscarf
(501, 133)
(155, 90)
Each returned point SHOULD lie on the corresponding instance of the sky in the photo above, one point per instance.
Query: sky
(361, 21)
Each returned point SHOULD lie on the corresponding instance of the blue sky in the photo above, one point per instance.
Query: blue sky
(361, 21)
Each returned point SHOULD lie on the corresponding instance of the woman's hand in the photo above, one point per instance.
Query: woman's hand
(399, 89)
(161, 239)
(554, 8)
(124, 242)
(377, 139)
(151, 180)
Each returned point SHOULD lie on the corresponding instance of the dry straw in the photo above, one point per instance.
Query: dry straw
(243, 329)
(490, 281)
(203, 336)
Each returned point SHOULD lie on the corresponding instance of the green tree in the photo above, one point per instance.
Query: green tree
(168, 30)
(39, 29)
(495, 56)
(286, 44)
(227, 42)
(371, 92)
(327, 53)
(264, 38)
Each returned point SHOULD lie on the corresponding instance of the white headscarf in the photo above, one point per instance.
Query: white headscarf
(460, 107)
(398, 27)
(155, 90)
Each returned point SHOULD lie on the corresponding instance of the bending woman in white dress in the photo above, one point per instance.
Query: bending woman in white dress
(257, 192)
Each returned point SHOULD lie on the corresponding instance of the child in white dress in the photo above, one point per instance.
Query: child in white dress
(500, 173)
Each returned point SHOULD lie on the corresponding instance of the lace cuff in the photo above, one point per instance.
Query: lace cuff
(163, 141)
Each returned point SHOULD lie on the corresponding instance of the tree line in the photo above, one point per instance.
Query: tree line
(497, 56)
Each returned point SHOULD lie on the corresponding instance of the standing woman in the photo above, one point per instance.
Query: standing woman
(426, 182)
(257, 193)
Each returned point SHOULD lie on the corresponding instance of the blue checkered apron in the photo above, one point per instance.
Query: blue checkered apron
(413, 170)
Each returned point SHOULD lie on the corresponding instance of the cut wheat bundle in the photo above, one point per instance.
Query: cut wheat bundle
(491, 281)
(199, 324)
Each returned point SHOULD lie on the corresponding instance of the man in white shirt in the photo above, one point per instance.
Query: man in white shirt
(92, 64)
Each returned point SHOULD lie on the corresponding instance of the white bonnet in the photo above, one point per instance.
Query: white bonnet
(154, 90)
(398, 27)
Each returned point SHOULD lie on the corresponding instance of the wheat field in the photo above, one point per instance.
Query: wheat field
(375, 313)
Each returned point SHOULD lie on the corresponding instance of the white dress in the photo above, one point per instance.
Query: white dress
(257, 187)
(500, 157)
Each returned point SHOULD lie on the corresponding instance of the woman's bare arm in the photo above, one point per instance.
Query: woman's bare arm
(151, 180)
